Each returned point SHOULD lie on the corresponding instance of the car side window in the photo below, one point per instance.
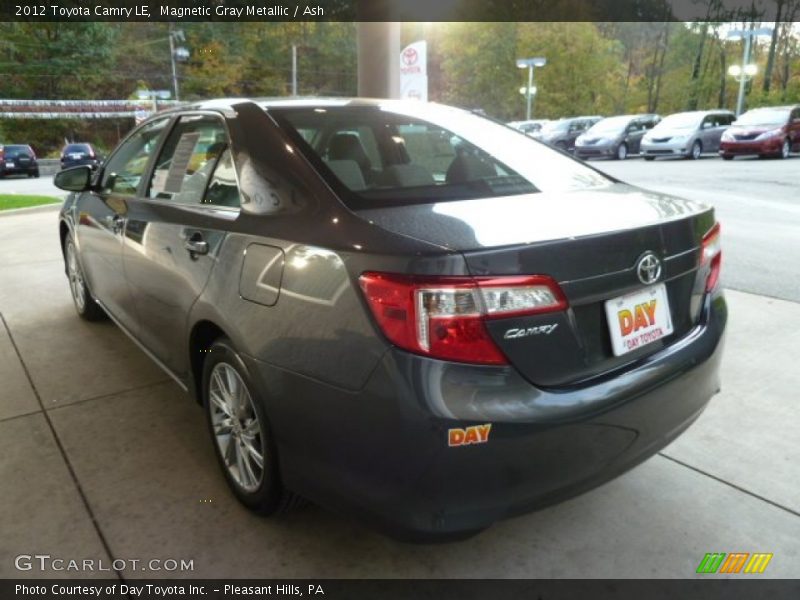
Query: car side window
(189, 156)
(223, 190)
(125, 168)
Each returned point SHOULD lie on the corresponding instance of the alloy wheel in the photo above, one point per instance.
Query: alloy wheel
(785, 149)
(236, 427)
(622, 152)
(75, 275)
(696, 150)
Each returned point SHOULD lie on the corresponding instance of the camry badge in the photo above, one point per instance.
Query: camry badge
(648, 268)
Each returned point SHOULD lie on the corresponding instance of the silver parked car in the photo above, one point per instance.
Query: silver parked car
(687, 134)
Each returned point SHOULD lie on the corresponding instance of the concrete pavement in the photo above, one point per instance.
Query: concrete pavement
(101, 456)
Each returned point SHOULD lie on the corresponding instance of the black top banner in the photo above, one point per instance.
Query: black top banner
(386, 10)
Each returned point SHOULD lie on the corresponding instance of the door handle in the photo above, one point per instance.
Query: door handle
(196, 244)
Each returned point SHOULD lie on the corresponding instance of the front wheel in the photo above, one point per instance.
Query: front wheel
(85, 305)
(696, 151)
(727, 157)
(786, 149)
(241, 434)
(649, 158)
(622, 152)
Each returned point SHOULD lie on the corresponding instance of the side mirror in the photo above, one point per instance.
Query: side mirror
(75, 179)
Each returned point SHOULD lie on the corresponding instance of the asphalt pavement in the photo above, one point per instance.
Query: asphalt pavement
(757, 203)
(103, 457)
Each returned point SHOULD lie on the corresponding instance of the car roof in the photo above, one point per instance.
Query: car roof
(783, 107)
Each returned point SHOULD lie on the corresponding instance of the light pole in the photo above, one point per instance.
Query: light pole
(180, 53)
(745, 72)
(530, 64)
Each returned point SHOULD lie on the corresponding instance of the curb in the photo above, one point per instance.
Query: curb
(31, 209)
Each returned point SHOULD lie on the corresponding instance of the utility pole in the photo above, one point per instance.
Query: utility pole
(294, 69)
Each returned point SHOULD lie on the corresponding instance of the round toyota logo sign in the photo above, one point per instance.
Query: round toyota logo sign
(648, 268)
(410, 56)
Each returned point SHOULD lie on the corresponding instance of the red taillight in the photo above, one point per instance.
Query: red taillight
(444, 317)
(712, 255)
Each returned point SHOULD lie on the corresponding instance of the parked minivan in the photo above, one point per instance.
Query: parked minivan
(615, 137)
(687, 134)
(562, 134)
(768, 131)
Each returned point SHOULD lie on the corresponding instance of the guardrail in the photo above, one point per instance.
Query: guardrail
(49, 166)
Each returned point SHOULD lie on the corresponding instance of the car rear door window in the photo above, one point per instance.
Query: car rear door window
(125, 168)
(223, 190)
(188, 159)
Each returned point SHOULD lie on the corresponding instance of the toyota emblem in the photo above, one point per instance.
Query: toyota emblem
(648, 268)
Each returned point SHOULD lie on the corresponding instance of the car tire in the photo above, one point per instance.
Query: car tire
(240, 433)
(727, 157)
(85, 304)
(36, 173)
(649, 157)
(622, 152)
(786, 149)
(696, 150)
(561, 146)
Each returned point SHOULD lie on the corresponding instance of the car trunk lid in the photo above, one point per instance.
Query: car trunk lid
(590, 242)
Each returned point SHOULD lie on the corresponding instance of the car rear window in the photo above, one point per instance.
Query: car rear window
(16, 150)
(399, 153)
(84, 148)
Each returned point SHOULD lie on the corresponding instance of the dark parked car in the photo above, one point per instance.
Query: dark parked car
(431, 336)
(533, 127)
(615, 137)
(562, 134)
(18, 159)
(687, 134)
(74, 155)
(773, 131)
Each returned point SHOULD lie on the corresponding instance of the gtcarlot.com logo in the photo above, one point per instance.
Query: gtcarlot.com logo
(735, 562)
(46, 562)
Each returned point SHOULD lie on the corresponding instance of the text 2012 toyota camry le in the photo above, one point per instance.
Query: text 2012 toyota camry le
(401, 311)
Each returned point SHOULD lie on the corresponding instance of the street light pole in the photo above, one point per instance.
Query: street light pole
(748, 35)
(172, 60)
(529, 96)
(743, 80)
(530, 64)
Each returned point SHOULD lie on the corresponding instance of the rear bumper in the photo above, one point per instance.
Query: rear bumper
(19, 169)
(382, 453)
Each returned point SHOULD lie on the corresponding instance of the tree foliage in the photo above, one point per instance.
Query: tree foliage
(592, 68)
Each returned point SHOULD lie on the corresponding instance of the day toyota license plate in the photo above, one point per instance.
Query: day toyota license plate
(638, 318)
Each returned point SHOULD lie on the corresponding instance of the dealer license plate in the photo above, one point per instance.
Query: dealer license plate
(638, 319)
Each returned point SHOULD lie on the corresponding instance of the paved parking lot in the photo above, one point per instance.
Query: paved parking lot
(104, 457)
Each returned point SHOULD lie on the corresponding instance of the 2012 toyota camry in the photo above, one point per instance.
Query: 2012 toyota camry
(401, 311)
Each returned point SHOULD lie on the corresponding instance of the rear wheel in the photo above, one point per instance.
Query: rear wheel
(696, 151)
(85, 305)
(241, 433)
(622, 151)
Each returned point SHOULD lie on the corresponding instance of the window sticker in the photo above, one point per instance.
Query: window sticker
(180, 162)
